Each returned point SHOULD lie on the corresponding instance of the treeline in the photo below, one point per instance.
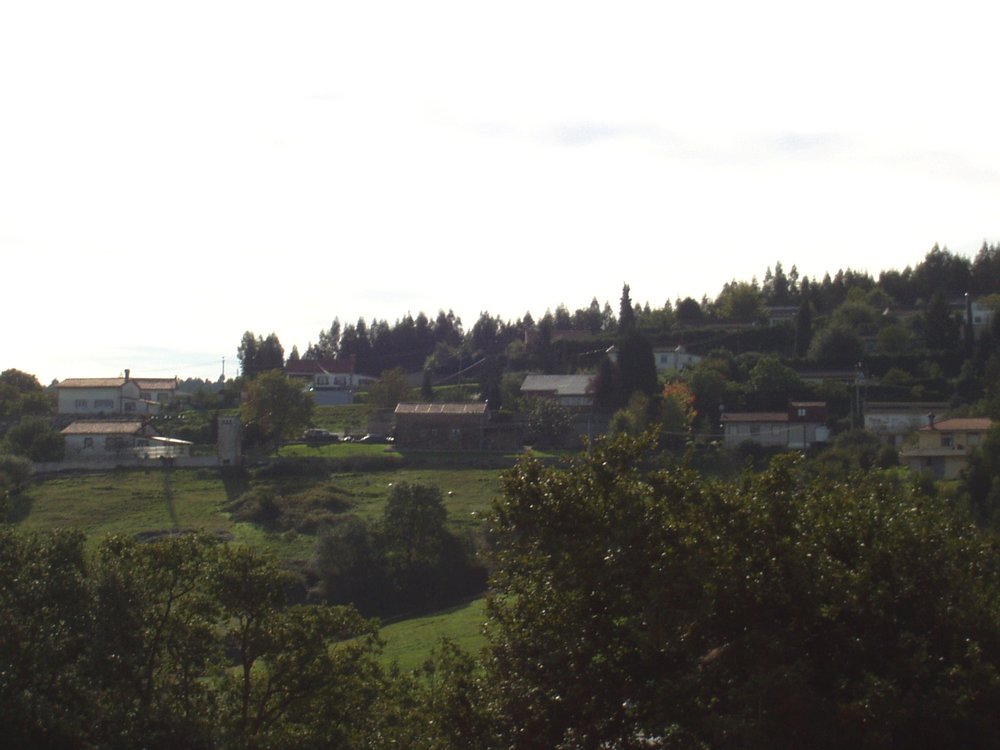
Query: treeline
(830, 321)
(634, 604)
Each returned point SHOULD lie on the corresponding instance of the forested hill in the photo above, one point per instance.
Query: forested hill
(923, 329)
(439, 343)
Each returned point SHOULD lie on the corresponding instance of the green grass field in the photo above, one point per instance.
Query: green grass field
(158, 500)
(356, 477)
(410, 642)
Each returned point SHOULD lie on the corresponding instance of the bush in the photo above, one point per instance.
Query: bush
(36, 439)
(15, 471)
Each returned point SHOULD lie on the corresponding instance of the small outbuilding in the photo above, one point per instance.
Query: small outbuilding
(106, 438)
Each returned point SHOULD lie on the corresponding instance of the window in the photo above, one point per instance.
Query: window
(88, 443)
(947, 440)
(340, 380)
(322, 380)
(130, 406)
(104, 403)
(802, 412)
(80, 403)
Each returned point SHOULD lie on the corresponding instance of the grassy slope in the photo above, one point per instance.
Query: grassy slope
(154, 500)
(409, 642)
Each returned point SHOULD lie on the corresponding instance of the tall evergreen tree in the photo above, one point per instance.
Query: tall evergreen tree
(626, 312)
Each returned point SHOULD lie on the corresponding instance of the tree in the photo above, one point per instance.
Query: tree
(155, 615)
(940, 327)
(36, 439)
(634, 604)
(777, 287)
(689, 311)
(980, 484)
(349, 566)
(427, 386)
(15, 472)
(839, 347)
(390, 389)
(258, 354)
(677, 413)
(636, 365)
(46, 634)
(426, 564)
(773, 383)
(740, 301)
(803, 328)
(606, 384)
(21, 395)
(626, 313)
(291, 687)
(328, 346)
(275, 408)
(413, 528)
(549, 423)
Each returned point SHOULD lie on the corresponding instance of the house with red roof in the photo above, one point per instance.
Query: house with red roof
(942, 447)
(331, 381)
(800, 426)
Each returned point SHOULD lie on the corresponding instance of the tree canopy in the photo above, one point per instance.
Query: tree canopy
(275, 409)
(636, 605)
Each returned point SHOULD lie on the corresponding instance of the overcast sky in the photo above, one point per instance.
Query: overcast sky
(174, 174)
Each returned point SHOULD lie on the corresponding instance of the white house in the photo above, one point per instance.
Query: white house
(674, 358)
(802, 425)
(331, 381)
(106, 438)
(893, 421)
(115, 396)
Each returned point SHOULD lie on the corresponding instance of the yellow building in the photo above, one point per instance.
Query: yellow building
(943, 447)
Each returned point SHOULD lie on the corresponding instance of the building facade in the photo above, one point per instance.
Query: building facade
(942, 447)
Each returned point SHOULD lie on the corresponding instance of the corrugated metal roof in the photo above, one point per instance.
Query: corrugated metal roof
(446, 408)
(85, 427)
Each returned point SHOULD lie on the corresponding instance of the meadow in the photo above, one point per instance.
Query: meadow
(146, 503)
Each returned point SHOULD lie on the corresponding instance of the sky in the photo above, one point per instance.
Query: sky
(174, 174)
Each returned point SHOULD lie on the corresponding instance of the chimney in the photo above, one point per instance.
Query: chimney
(930, 420)
(127, 371)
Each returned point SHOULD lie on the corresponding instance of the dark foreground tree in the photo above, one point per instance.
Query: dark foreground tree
(636, 607)
(178, 643)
